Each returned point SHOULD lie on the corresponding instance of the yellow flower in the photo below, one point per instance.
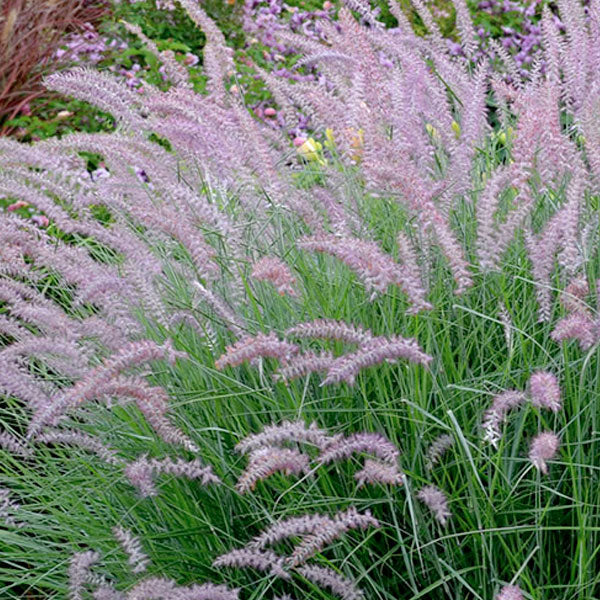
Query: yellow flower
(311, 150)
(330, 141)
(357, 141)
(504, 136)
(432, 131)
(456, 128)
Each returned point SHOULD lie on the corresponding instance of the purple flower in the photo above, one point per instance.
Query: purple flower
(436, 501)
(496, 415)
(330, 579)
(274, 270)
(510, 592)
(370, 443)
(545, 391)
(261, 560)
(264, 462)
(379, 349)
(286, 432)
(543, 448)
(253, 347)
(137, 560)
(377, 472)
(329, 531)
(438, 448)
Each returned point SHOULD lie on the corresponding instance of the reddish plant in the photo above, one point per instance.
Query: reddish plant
(30, 33)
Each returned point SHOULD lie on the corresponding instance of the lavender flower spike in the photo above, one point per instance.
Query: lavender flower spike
(332, 330)
(81, 440)
(496, 414)
(330, 531)
(137, 560)
(262, 560)
(436, 501)
(374, 472)
(371, 443)
(510, 592)
(7, 508)
(543, 447)
(376, 269)
(304, 364)
(376, 351)
(437, 449)
(207, 591)
(79, 572)
(251, 348)
(274, 270)
(142, 471)
(292, 527)
(141, 475)
(577, 326)
(106, 592)
(159, 588)
(152, 588)
(266, 461)
(288, 431)
(14, 445)
(545, 391)
(328, 578)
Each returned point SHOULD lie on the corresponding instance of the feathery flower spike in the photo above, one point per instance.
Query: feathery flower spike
(273, 269)
(510, 592)
(142, 471)
(545, 391)
(79, 572)
(376, 269)
(288, 431)
(152, 588)
(573, 296)
(291, 527)
(304, 364)
(578, 326)
(131, 355)
(264, 462)
(14, 445)
(207, 591)
(379, 349)
(411, 281)
(105, 592)
(495, 416)
(82, 440)
(330, 579)
(137, 560)
(437, 449)
(436, 501)
(375, 471)
(141, 476)
(262, 560)
(253, 347)
(331, 530)
(370, 443)
(8, 508)
(543, 447)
